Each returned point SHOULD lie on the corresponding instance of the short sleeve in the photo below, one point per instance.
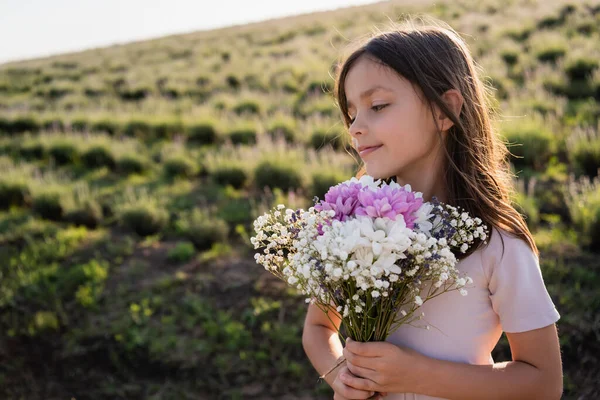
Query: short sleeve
(517, 290)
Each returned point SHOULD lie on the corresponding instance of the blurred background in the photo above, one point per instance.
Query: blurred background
(139, 140)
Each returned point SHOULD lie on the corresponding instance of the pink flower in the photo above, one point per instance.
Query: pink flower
(342, 199)
(389, 202)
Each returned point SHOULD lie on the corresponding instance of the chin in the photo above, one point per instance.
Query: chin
(379, 174)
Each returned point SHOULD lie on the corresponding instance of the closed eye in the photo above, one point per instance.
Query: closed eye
(375, 108)
(379, 107)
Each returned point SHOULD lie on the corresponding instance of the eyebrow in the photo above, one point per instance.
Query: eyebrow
(369, 92)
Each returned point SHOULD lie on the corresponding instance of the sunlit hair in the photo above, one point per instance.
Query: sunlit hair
(434, 58)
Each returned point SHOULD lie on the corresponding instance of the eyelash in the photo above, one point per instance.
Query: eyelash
(375, 108)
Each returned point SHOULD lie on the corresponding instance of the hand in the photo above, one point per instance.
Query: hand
(381, 367)
(345, 392)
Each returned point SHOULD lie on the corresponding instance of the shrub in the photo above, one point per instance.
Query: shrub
(321, 139)
(144, 218)
(32, 151)
(247, 107)
(272, 175)
(584, 151)
(201, 133)
(13, 194)
(322, 181)
(551, 52)
(510, 56)
(131, 164)
(24, 124)
(180, 166)
(80, 124)
(63, 153)
(530, 143)
(233, 176)
(105, 125)
(283, 129)
(89, 214)
(202, 229)
(182, 252)
(48, 205)
(236, 212)
(243, 136)
(580, 67)
(167, 129)
(98, 156)
(137, 128)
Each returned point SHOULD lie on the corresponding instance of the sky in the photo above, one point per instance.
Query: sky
(38, 28)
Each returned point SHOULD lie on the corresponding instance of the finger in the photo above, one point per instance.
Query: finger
(360, 371)
(360, 361)
(367, 349)
(359, 383)
(348, 392)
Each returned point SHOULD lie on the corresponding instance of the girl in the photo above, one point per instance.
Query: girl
(416, 110)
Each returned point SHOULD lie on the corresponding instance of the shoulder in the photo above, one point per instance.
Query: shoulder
(504, 248)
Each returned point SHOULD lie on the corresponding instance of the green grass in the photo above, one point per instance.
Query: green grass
(128, 185)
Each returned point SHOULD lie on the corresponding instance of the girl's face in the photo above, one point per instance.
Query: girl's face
(392, 127)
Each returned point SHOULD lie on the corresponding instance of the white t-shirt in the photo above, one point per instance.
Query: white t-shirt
(508, 294)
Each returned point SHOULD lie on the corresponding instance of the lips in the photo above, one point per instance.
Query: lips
(364, 150)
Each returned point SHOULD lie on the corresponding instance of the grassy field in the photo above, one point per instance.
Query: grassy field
(130, 175)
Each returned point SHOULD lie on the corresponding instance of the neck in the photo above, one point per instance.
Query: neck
(429, 180)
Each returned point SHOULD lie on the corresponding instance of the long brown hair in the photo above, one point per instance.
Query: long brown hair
(436, 59)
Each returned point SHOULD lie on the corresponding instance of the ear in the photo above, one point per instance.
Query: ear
(454, 101)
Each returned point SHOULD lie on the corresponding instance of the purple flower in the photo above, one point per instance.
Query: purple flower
(342, 199)
(389, 202)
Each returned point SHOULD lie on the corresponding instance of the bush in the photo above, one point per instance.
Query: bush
(322, 139)
(131, 164)
(283, 129)
(137, 128)
(243, 136)
(202, 229)
(510, 56)
(586, 156)
(48, 206)
(528, 206)
(24, 124)
(322, 181)
(234, 176)
(202, 133)
(98, 156)
(180, 166)
(144, 219)
(551, 52)
(581, 67)
(531, 145)
(13, 194)
(63, 153)
(88, 214)
(285, 177)
(247, 107)
(32, 151)
(106, 125)
(80, 124)
(167, 129)
(182, 252)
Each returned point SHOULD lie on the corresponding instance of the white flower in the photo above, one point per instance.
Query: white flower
(375, 293)
(463, 292)
(418, 300)
(358, 309)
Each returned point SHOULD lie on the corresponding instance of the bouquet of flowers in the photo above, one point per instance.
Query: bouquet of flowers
(373, 251)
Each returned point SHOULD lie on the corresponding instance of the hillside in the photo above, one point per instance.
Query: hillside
(130, 176)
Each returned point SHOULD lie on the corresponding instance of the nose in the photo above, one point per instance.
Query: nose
(357, 128)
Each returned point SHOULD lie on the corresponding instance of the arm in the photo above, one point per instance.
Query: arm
(321, 342)
(534, 373)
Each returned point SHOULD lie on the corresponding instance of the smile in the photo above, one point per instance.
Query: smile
(369, 150)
